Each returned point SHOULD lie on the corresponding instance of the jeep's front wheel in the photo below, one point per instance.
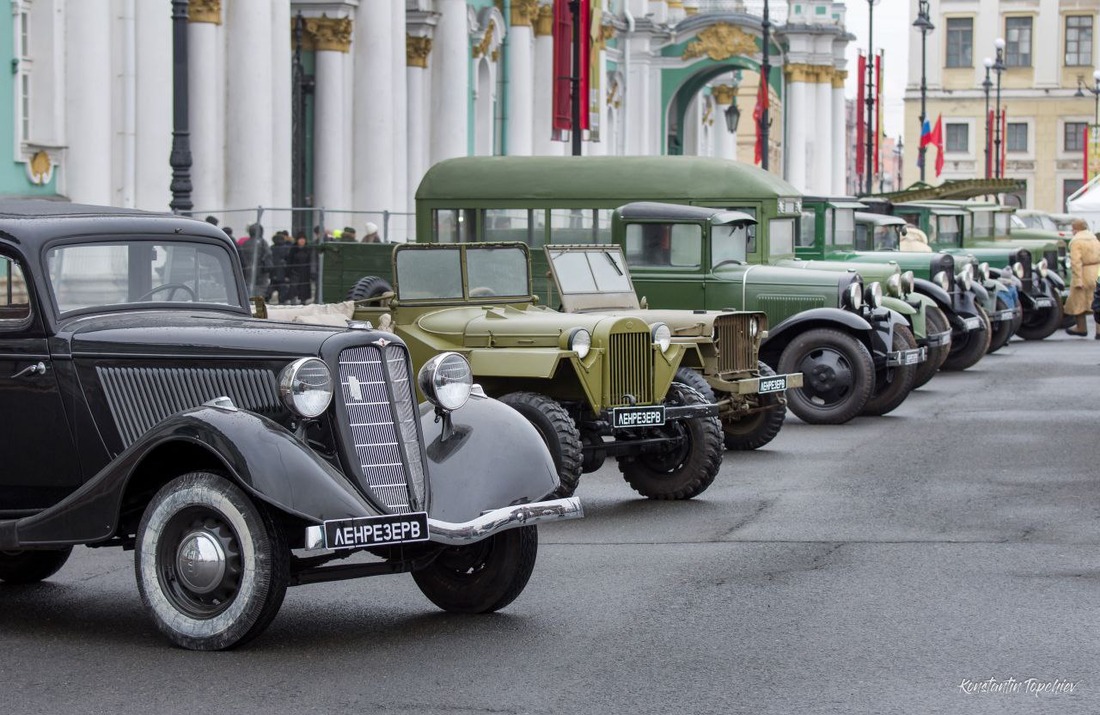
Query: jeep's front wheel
(557, 430)
(688, 462)
(482, 577)
(212, 568)
(31, 566)
(838, 376)
(748, 431)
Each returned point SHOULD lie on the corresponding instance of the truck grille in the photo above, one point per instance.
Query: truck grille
(736, 346)
(781, 307)
(140, 397)
(630, 362)
(375, 391)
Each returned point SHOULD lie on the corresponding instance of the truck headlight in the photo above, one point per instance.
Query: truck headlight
(446, 381)
(1018, 269)
(983, 269)
(754, 327)
(908, 282)
(1043, 267)
(942, 280)
(855, 297)
(662, 336)
(966, 276)
(580, 342)
(305, 387)
(893, 285)
(874, 294)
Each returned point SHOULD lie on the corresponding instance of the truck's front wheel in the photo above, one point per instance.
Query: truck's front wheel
(892, 389)
(557, 430)
(838, 376)
(971, 347)
(690, 461)
(482, 577)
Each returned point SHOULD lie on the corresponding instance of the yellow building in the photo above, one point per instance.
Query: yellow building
(1048, 55)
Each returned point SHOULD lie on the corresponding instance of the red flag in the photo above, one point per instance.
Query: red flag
(563, 65)
(988, 150)
(1004, 144)
(935, 138)
(878, 108)
(860, 99)
(758, 116)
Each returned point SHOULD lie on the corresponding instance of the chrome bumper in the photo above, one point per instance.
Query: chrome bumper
(509, 517)
(935, 340)
(1001, 316)
(901, 358)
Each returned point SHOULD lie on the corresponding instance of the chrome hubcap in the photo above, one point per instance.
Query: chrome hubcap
(200, 562)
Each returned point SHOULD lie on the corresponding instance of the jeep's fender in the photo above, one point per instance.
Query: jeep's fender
(779, 336)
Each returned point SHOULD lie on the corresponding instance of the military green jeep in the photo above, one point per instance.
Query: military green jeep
(592, 385)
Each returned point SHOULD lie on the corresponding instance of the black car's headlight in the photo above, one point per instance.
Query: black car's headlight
(1018, 269)
(942, 280)
(895, 285)
(305, 387)
(874, 294)
(446, 381)
(1043, 267)
(662, 336)
(983, 269)
(966, 276)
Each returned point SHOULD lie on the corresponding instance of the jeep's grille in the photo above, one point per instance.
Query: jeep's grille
(631, 369)
(140, 397)
(383, 417)
(736, 351)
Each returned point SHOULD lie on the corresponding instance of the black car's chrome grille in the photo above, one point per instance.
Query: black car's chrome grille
(383, 416)
(630, 362)
(140, 397)
(736, 352)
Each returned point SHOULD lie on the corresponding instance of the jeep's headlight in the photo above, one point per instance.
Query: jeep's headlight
(855, 297)
(942, 280)
(893, 285)
(580, 342)
(983, 269)
(966, 276)
(446, 381)
(908, 282)
(305, 387)
(874, 294)
(1043, 267)
(662, 336)
(1018, 269)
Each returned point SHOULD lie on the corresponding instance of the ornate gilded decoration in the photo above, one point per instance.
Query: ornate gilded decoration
(723, 93)
(524, 12)
(606, 33)
(708, 115)
(812, 74)
(838, 78)
(486, 39)
(720, 42)
(417, 50)
(544, 25)
(326, 33)
(209, 11)
(40, 167)
(613, 98)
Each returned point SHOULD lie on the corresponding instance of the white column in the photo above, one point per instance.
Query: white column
(419, 91)
(248, 160)
(521, 98)
(543, 89)
(639, 111)
(823, 132)
(800, 116)
(87, 163)
(401, 201)
(725, 144)
(330, 143)
(840, 139)
(281, 115)
(152, 173)
(206, 117)
(450, 82)
(373, 104)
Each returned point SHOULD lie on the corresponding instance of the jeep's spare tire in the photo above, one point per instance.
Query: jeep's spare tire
(369, 287)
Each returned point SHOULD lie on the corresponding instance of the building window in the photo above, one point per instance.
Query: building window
(958, 138)
(1079, 40)
(1016, 136)
(960, 42)
(22, 77)
(1073, 136)
(1069, 186)
(1018, 41)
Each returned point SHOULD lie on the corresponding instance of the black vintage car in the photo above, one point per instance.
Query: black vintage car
(145, 408)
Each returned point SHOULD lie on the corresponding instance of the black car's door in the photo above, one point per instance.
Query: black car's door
(38, 464)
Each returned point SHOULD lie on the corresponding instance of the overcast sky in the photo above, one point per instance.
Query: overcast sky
(894, 31)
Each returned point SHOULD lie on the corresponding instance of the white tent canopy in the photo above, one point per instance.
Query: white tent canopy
(1085, 203)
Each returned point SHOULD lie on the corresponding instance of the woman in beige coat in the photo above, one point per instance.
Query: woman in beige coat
(1084, 257)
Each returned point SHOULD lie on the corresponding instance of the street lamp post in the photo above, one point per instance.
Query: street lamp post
(899, 151)
(180, 157)
(1094, 91)
(999, 68)
(870, 101)
(765, 75)
(924, 24)
(987, 84)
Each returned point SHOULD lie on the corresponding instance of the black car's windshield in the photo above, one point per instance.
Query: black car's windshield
(590, 272)
(112, 273)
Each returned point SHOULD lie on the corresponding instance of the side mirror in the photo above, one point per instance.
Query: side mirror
(904, 231)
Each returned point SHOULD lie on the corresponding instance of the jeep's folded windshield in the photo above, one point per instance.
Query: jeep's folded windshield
(140, 271)
(591, 272)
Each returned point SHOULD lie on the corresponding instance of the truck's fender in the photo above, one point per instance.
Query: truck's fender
(941, 297)
(1056, 280)
(780, 335)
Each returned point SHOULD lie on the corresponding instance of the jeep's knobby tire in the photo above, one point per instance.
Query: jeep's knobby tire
(748, 432)
(695, 380)
(1003, 332)
(234, 592)
(971, 347)
(936, 322)
(838, 376)
(481, 577)
(557, 430)
(1041, 324)
(31, 566)
(369, 287)
(689, 464)
(891, 391)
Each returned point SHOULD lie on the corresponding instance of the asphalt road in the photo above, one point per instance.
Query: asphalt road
(889, 565)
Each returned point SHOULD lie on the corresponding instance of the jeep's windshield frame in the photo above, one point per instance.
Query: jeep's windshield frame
(462, 273)
(591, 278)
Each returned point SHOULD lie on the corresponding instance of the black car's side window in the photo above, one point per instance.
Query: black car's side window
(15, 306)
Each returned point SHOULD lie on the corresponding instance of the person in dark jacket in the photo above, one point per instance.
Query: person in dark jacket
(298, 269)
(256, 260)
(280, 280)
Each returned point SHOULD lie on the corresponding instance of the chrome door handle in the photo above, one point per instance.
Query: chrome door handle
(39, 368)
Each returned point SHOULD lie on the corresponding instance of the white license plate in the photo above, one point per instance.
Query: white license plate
(772, 384)
(910, 357)
(1044, 303)
(972, 323)
(376, 530)
(649, 416)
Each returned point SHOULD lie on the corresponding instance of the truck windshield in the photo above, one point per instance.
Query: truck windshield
(947, 231)
(781, 235)
(981, 224)
(591, 272)
(122, 272)
(844, 236)
(729, 242)
(1001, 223)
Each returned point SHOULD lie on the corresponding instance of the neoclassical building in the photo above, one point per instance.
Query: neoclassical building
(343, 104)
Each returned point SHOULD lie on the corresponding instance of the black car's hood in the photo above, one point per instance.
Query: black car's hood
(176, 333)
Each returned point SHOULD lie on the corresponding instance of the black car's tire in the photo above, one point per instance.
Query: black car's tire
(557, 430)
(969, 349)
(937, 323)
(689, 465)
(1003, 332)
(1041, 324)
(838, 376)
(482, 577)
(31, 566)
(891, 392)
(369, 287)
(230, 594)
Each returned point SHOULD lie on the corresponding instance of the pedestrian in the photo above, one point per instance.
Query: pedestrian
(348, 234)
(212, 220)
(1084, 258)
(298, 269)
(280, 281)
(256, 260)
(371, 235)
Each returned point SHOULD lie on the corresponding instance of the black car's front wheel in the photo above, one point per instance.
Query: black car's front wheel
(481, 577)
(212, 568)
(838, 376)
(31, 566)
(689, 460)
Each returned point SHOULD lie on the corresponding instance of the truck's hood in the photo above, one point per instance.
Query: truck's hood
(870, 270)
(780, 276)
